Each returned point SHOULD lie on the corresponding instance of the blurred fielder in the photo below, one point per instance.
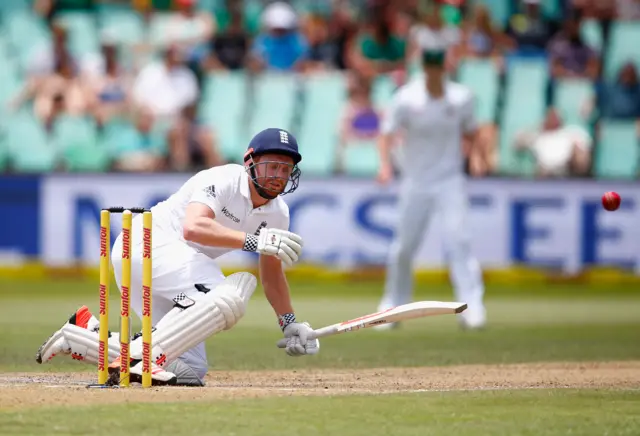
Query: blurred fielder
(434, 115)
(225, 208)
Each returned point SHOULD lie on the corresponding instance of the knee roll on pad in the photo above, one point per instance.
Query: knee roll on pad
(192, 320)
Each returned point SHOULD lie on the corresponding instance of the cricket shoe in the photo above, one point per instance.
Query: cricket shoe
(159, 377)
(77, 337)
(474, 318)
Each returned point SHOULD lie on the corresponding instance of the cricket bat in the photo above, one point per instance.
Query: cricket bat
(418, 309)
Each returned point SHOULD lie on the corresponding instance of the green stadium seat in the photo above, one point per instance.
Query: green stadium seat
(569, 96)
(499, 9)
(617, 155)
(30, 150)
(25, 33)
(592, 33)
(10, 82)
(222, 107)
(482, 77)
(325, 98)
(121, 137)
(77, 140)
(361, 159)
(552, 9)
(624, 46)
(524, 108)
(273, 103)
(4, 152)
(382, 90)
(83, 36)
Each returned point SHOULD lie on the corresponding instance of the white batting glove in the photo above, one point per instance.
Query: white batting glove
(275, 242)
(296, 341)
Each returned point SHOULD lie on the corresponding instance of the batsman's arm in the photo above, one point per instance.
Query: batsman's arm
(201, 227)
(275, 285)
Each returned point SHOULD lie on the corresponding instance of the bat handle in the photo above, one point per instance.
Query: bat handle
(316, 334)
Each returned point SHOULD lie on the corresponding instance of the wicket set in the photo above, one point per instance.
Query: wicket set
(125, 300)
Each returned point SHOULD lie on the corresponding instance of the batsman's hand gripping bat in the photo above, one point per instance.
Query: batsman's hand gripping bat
(403, 312)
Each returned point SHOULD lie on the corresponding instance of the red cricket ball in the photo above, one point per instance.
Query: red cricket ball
(611, 201)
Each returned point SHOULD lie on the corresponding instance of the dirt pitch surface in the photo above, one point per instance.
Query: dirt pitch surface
(23, 390)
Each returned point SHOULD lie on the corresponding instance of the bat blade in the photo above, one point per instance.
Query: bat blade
(418, 309)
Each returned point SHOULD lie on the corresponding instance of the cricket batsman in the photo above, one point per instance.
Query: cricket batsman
(225, 208)
(434, 116)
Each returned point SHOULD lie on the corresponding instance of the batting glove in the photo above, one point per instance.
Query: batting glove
(296, 341)
(275, 242)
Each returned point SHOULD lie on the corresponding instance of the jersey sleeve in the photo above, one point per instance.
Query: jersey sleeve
(212, 193)
(392, 119)
(469, 123)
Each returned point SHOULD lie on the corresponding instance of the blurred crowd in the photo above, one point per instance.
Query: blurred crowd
(154, 88)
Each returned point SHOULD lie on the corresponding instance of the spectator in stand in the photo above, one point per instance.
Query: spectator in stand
(137, 147)
(570, 56)
(432, 32)
(360, 120)
(628, 10)
(559, 150)
(109, 82)
(342, 29)
(281, 46)
(230, 46)
(480, 39)
(192, 145)
(378, 49)
(619, 100)
(322, 52)
(165, 88)
(602, 10)
(190, 30)
(531, 30)
(47, 57)
(60, 93)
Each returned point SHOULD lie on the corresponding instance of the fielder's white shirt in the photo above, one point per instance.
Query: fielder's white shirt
(225, 189)
(432, 131)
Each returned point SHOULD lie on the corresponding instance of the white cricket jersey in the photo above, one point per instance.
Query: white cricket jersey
(432, 131)
(225, 189)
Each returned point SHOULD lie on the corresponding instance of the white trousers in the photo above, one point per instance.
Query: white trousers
(416, 209)
(176, 268)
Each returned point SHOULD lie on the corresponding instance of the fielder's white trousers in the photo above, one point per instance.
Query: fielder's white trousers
(176, 268)
(417, 207)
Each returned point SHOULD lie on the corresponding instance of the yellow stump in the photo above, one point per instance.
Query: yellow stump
(125, 300)
(103, 346)
(146, 299)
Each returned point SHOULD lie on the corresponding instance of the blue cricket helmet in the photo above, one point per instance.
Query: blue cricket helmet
(277, 141)
(273, 141)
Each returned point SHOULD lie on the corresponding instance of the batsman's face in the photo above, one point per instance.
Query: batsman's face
(273, 171)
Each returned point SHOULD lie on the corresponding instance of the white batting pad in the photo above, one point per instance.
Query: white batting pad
(194, 319)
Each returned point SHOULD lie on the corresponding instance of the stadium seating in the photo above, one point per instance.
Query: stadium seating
(524, 108)
(272, 102)
(618, 153)
(324, 100)
(623, 47)
(236, 105)
(76, 139)
(223, 107)
(482, 77)
(30, 150)
(569, 98)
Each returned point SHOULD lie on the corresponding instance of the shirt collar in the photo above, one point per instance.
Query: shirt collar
(244, 185)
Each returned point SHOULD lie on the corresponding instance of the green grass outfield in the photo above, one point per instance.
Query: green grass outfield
(527, 324)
